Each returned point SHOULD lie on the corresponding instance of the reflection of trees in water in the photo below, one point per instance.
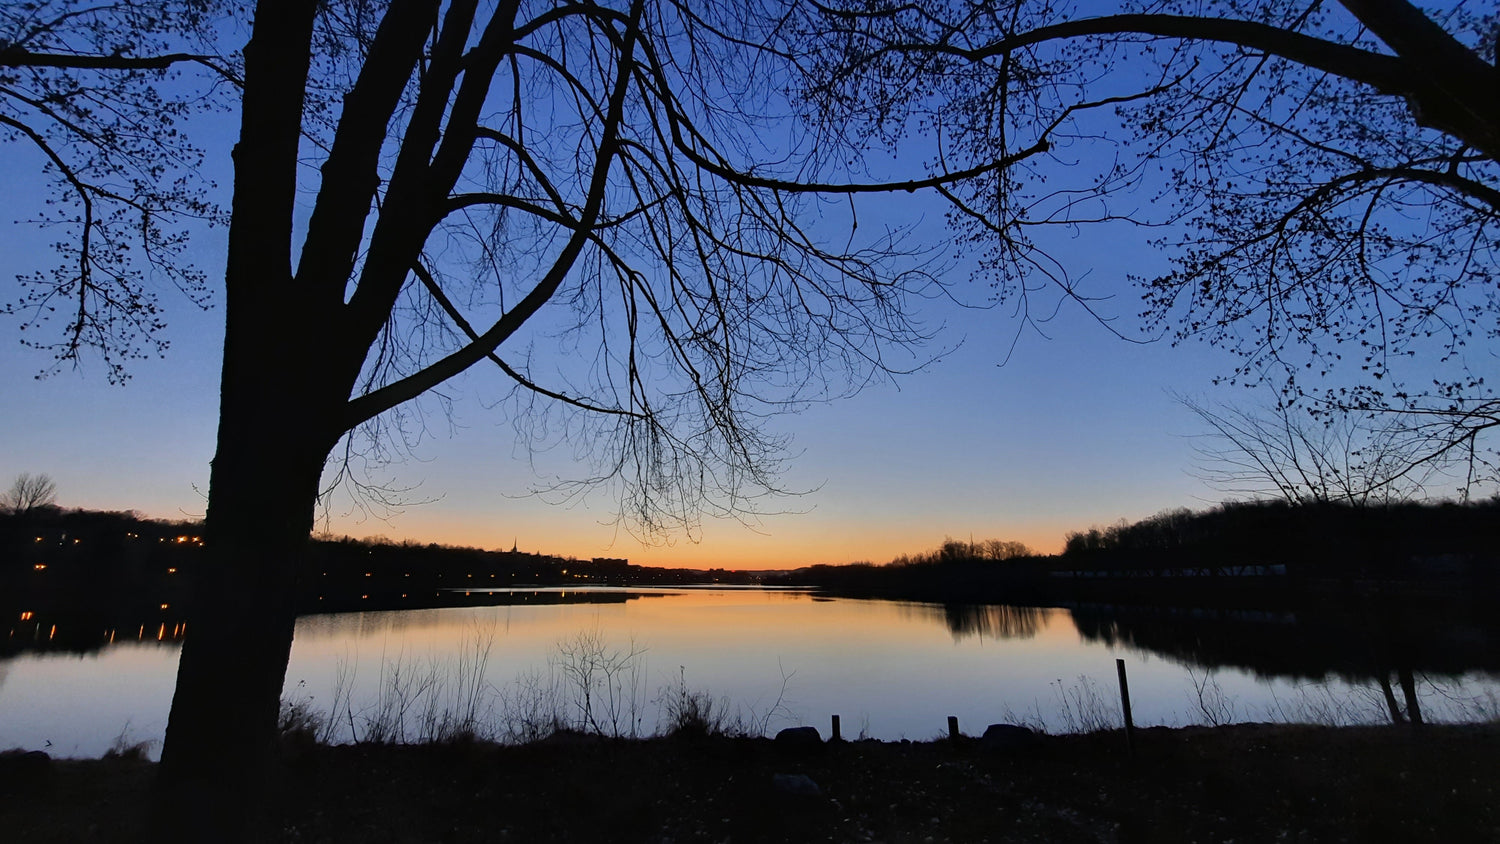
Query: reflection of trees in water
(987, 621)
(1358, 641)
(995, 621)
(366, 624)
(1350, 640)
(91, 627)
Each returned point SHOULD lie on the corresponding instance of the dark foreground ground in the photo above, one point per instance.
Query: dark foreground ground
(1244, 783)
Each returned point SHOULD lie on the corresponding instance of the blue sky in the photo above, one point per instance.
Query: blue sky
(1077, 428)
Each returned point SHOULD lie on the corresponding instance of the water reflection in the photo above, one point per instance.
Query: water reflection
(88, 630)
(1352, 639)
(986, 621)
(903, 666)
(1358, 639)
(89, 627)
(1378, 643)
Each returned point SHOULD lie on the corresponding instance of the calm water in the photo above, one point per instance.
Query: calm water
(891, 670)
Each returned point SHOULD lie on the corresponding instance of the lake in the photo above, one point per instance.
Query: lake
(771, 659)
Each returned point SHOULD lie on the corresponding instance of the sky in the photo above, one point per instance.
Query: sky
(1074, 429)
(1069, 430)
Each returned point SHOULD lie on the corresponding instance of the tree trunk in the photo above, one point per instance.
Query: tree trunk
(1390, 699)
(240, 632)
(222, 737)
(1409, 691)
(275, 432)
(279, 417)
(272, 436)
(221, 744)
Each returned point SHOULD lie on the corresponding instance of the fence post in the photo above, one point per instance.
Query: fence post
(1125, 705)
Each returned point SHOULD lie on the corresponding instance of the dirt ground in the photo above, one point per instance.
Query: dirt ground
(1244, 783)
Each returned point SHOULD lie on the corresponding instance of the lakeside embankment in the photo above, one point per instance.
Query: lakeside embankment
(1243, 783)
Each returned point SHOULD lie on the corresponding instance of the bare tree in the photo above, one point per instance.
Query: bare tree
(623, 188)
(1288, 452)
(97, 95)
(628, 184)
(1005, 549)
(28, 493)
(1323, 176)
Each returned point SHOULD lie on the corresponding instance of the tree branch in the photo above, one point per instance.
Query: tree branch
(441, 297)
(350, 173)
(378, 401)
(14, 56)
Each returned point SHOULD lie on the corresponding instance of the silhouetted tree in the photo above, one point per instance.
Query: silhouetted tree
(476, 177)
(954, 550)
(29, 493)
(1326, 175)
(95, 95)
(959, 550)
(1346, 456)
(1004, 549)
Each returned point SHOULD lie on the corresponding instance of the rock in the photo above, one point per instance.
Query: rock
(799, 737)
(1007, 738)
(23, 771)
(795, 785)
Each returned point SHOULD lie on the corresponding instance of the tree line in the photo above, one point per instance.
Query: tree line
(1250, 543)
(71, 554)
(654, 178)
(1317, 539)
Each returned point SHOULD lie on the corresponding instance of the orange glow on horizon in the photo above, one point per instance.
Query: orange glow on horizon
(783, 543)
(794, 546)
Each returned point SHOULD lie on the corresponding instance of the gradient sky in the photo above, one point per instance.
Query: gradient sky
(1077, 428)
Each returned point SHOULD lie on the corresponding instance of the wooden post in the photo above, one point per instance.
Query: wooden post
(1125, 705)
(836, 735)
(953, 728)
